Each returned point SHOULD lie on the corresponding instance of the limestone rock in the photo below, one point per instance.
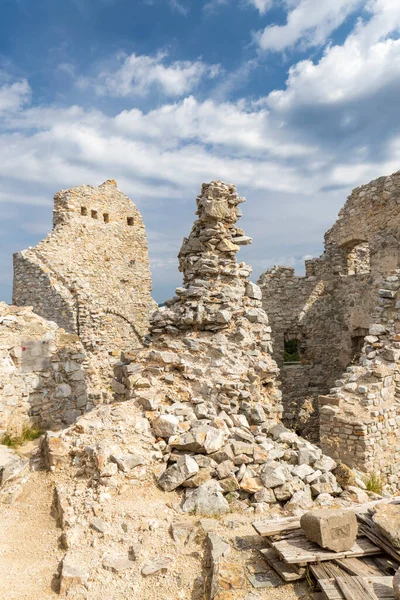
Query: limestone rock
(387, 519)
(333, 529)
(174, 476)
(206, 500)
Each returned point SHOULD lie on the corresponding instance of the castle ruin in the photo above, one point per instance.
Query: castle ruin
(319, 321)
(91, 274)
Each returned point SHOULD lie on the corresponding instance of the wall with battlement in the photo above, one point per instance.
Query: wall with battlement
(91, 274)
(329, 310)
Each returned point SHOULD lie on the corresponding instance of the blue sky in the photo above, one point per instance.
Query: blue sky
(294, 101)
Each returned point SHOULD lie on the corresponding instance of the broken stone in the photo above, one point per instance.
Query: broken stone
(117, 563)
(180, 532)
(165, 425)
(206, 500)
(218, 548)
(272, 475)
(72, 574)
(156, 565)
(387, 520)
(184, 468)
(333, 529)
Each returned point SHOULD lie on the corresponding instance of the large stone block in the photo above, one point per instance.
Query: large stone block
(333, 529)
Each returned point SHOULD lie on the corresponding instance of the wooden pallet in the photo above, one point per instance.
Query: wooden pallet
(287, 572)
(357, 588)
(369, 529)
(295, 548)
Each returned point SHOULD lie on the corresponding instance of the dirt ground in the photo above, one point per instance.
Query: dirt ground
(29, 550)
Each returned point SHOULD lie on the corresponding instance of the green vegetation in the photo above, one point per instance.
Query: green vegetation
(29, 433)
(374, 484)
(292, 351)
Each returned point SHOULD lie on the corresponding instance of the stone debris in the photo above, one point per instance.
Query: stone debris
(387, 520)
(216, 400)
(331, 528)
(44, 375)
(72, 574)
(12, 466)
(156, 565)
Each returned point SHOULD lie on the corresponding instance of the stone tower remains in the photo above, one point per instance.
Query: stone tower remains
(321, 320)
(91, 274)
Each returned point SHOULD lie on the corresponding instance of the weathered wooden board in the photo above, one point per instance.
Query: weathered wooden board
(369, 529)
(326, 570)
(366, 588)
(287, 572)
(330, 589)
(381, 587)
(275, 526)
(359, 567)
(296, 548)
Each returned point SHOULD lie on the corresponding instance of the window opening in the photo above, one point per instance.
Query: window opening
(358, 259)
(106, 218)
(83, 211)
(292, 351)
(94, 214)
(129, 220)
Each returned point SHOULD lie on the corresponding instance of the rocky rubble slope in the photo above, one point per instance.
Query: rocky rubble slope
(192, 445)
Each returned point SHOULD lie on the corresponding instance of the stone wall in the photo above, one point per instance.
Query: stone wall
(43, 373)
(360, 418)
(91, 274)
(329, 310)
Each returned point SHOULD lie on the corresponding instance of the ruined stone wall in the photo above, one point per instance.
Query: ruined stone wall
(91, 274)
(212, 340)
(43, 373)
(360, 418)
(329, 310)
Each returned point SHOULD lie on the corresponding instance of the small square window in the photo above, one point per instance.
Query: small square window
(106, 218)
(129, 220)
(94, 214)
(83, 211)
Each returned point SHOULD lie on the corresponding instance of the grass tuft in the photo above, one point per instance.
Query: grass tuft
(374, 484)
(29, 433)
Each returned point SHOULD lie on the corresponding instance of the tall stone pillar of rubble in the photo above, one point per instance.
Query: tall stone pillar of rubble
(360, 418)
(211, 342)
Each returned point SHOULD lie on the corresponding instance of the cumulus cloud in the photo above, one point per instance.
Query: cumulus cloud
(262, 5)
(139, 75)
(294, 153)
(309, 23)
(13, 95)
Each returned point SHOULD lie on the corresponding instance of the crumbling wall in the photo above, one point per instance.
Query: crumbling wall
(43, 373)
(91, 274)
(360, 418)
(212, 340)
(330, 308)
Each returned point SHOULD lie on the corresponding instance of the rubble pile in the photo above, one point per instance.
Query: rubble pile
(207, 381)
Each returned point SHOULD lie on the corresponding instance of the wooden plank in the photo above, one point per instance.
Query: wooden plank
(298, 549)
(354, 588)
(326, 570)
(386, 565)
(330, 589)
(275, 526)
(366, 588)
(287, 572)
(360, 567)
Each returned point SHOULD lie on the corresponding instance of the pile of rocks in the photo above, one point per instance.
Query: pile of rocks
(207, 381)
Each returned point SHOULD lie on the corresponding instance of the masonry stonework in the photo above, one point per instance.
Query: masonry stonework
(329, 311)
(43, 373)
(91, 274)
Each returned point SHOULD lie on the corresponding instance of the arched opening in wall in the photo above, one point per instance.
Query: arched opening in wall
(294, 347)
(357, 258)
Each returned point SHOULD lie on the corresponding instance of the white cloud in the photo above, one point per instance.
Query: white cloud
(138, 75)
(262, 5)
(179, 6)
(14, 95)
(309, 23)
(364, 65)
